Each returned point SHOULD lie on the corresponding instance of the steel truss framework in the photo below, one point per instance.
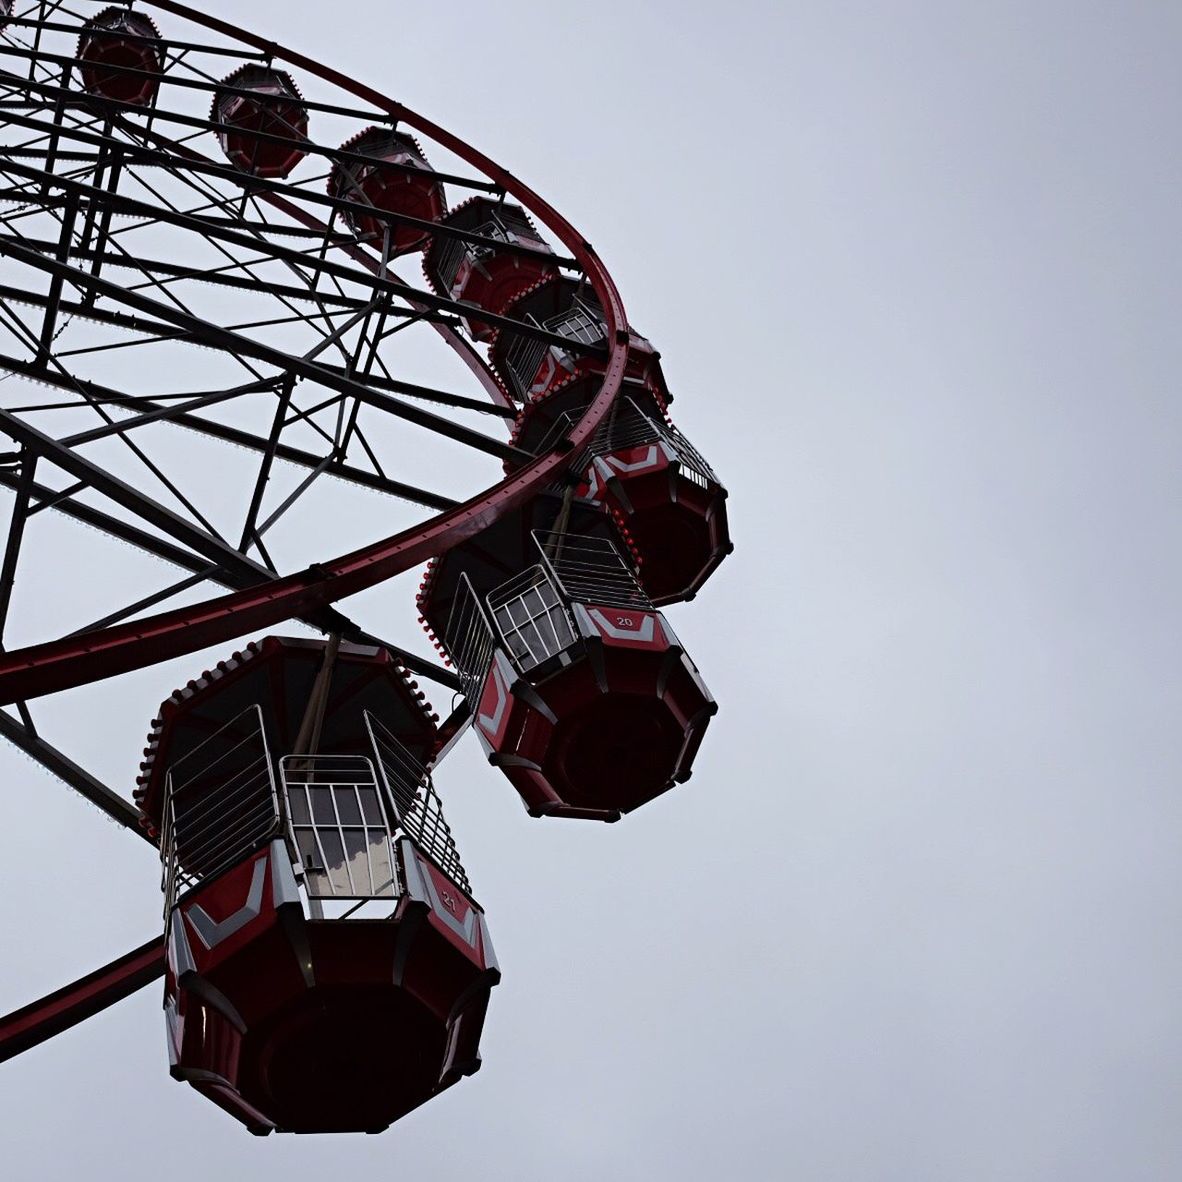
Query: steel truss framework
(129, 246)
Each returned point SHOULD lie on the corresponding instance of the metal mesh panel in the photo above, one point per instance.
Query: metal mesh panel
(220, 804)
(417, 809)
(582, 321)
(448, 257)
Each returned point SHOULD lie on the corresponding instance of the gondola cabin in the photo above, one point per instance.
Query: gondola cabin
(381, 172)
(120, 56)
(645, 472)
(261, 121)
(328, 969)
(505, 256)
(638, 466)
(580, 691)
(530, 367)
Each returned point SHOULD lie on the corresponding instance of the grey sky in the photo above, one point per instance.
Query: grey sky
(913, 269)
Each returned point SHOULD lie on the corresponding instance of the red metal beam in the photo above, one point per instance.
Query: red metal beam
(79, 660)
(66, 1007)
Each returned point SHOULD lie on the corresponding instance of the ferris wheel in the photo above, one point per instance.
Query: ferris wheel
(223, 266)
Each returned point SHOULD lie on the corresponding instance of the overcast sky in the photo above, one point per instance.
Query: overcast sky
(913, 269)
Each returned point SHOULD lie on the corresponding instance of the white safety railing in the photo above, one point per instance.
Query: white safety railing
(469, 639)
(627, 426)
(338, 824)
(415, 806)
(340, 814)
(220, 804)
(589, 569)
(531, 618)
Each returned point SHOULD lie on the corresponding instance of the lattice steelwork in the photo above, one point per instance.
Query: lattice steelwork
(169, 294)
(154, 285)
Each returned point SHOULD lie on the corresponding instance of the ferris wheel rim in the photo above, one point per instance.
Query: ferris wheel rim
(69, 662)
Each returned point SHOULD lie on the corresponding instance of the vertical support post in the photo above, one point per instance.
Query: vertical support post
(16, 533)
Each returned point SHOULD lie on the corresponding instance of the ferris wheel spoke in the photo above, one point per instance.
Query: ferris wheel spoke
(60, 501)
(22, 505)
(148, 601)
(52, 301)
(171, 43)
(220, 277)
(110, 149)
(10, 295)
(384, 382)
(33, 1024)
(329, 267)
(155, 331)
(164, 272)
(27, 152)
(166, 332)
(296, 493)
(117, 400)
(304, 415)
(207, 557)
(265, 466)
(50, 88)
(333, 334)
(239, 344)
(164, 413)
(201, 540)
(24, 433)
(296, 260)
(74, 661)
(233, 575)
(22, 708)
(283, 293)
(105, 396)
(77, 777)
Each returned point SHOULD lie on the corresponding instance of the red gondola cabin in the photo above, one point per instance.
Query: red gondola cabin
(492, 271)
(261, 121)
(580, 691)
(386, 172)
(647, 474)
(328, 968)
(119, 56)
